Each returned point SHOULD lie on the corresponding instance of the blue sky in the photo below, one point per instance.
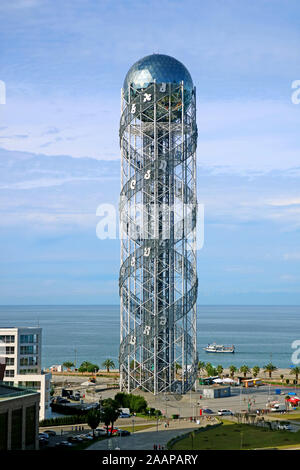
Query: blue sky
(63, 63)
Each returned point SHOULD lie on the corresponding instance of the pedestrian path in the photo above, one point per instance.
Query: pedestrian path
(146, 439)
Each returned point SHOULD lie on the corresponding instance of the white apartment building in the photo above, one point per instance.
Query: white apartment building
(21, 349)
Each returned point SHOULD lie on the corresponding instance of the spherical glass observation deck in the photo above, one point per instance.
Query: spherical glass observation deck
(160, 67)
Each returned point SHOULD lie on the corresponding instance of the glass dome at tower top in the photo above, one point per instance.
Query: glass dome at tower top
(159, 67)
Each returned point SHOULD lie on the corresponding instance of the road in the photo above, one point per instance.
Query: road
(144, 440)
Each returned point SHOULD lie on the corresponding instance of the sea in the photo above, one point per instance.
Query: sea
(260, 334)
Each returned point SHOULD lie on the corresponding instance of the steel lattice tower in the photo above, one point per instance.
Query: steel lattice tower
(158, 206)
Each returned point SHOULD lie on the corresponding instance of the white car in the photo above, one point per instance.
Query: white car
(225, 413)
(285, 427)
(86, 437)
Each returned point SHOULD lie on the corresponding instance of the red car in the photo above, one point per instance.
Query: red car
(114, 431)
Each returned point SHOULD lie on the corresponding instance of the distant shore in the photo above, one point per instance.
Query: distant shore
(113, 373)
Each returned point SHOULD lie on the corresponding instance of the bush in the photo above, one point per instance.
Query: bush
(74, 419)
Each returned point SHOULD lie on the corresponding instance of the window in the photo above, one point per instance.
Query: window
(28, 349)
(28, 371)
(10, 350)
(10, 361)
(29, 361)
(7, 338)
(32, 385)
(28, 338)
(9, 373)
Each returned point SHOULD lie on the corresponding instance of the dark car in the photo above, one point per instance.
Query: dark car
(75, 439)
(43, 441)
(123, 432)
(50, 432)
(208, 411)
(63, 444)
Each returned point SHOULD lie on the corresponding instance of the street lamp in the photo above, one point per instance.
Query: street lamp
(133, 424)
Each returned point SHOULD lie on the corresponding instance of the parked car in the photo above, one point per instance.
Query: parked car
(50, 432)
(63, 444)
(86, 437)
(114, 431)
(285, 427)
(75, 439)
(278, 408)
(100, 432)
(124, 415)
(123, 432)
(43, 442)
(225, 413)
(43, 435)
(208, 411)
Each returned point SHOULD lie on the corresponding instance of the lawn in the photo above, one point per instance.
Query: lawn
(233, 436)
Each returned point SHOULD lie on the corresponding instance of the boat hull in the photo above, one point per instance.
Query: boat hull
(219, 352)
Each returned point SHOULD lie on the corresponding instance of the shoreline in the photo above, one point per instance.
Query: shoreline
(114, 373)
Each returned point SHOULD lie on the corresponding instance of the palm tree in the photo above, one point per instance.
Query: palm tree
(93, 419)
(210, 370)
(232, 369)
(255, 370)
(108, 363)
(270, 368)
(68, 364)
(219, 369)
(295, 371)
(244, 369)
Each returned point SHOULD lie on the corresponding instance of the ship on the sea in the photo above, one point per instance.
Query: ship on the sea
(219, 348)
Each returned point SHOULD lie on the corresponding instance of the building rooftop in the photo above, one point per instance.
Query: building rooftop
(7, 391)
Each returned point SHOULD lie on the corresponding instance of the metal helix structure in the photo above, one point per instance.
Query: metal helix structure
(158, 211)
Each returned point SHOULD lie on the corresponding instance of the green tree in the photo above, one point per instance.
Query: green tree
(244, 369)
(232, 370)
(123, 399)
(177, 367)
(270, 368)
(138, 404)
(219, 369)
(108, 364)
(110, 413)
(68, 364)
(93, 419)
(295, 371)
(201, 366)
(255, 370)
(88, 367)
(210, 370)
